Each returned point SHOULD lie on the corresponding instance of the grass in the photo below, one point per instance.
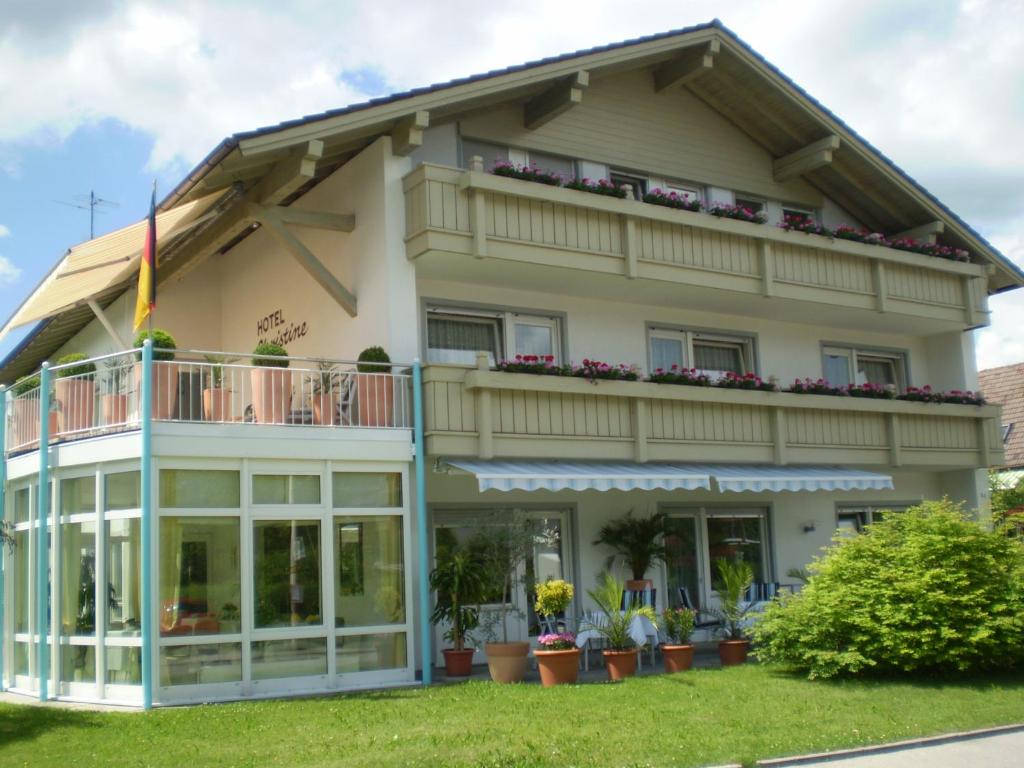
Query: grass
(697, 718)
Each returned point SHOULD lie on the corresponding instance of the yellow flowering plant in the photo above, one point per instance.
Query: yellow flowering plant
(553, 597)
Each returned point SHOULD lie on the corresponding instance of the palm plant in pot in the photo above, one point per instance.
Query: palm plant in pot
(458, 579)
(326, 383)
(734, 579)
(165, 372)
(216, 397)
(558, 657)
(636, 541)
(677, 651)
(615, 625)
(76, 393)
(271, 383)
(375, 389)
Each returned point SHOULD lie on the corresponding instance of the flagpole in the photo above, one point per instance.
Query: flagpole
(149, 317)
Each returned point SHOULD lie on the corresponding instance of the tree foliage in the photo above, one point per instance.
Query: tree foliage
(926, 590)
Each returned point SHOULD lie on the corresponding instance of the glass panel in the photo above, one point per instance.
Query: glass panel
(200, 575)
(286, 572)
(837, 369)
(367, 489)
(736, 537)
(78, 664)
(683, 560)
(22, 561)
(559, 165)
(755, 206)
(491, 153)
(286, 489)
(21, 658)
(363, 653)
(369, 567)
(289, 658)
(666, 352)
(849, 522)
(78, 568)
(124, 665)
(544, 564)
(717, 358)
(22, 510)
(458, 339)
(199, 488)
(78, 494)
(123, 490)
(124, 548)
(534, 339)
(639, 185)
(200, 664)
(876, 370)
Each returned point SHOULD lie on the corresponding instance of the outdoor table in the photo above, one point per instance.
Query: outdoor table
(640, 628)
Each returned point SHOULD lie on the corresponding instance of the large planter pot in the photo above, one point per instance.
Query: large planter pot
(77, 399)
(375, 395)
(558, 667)
(25, 422)
(507, 661)
(733, 652)
(325, 406)
(638, 585)
(271, 395)
(216, 404)
(165, 388)
(620, 664)
(114, 409)
(677, 658)
(458, 663)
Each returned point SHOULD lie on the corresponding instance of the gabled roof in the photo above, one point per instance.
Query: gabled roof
(1005, 386)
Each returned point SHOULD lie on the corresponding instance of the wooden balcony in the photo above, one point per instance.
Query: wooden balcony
(452, 214)
(485, 414)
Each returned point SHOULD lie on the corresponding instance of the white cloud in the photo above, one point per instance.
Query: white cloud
(4, 231)
(9, 271)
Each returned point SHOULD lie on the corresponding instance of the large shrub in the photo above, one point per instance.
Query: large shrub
(924, 590)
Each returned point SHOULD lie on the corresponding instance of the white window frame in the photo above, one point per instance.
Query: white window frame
(690, 338)
(864, 514)
(641, 184)
(506, 321)
(854, 354)
(788, 210)
(740, 199)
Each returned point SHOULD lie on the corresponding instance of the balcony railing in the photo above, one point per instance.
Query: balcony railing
(449, 210)
(102, 395)
(482, 413)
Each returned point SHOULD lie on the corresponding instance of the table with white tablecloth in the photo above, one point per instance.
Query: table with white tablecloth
(641, 630)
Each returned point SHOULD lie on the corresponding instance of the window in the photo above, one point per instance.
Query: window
(457, 335)
(1007, 428)
(286, 573)
(124, 594)
(685, 190)
(286, 489)
(712, 353)
(369, 571)
(852, 519)
(22, 508)
(78, 495)
(560, 165)
(78, 565)
(199, 488)
(638, 183)
(843, 366)
(755, 206)
(123, 490)
(798, 213)
(366, 489)
(491, 153)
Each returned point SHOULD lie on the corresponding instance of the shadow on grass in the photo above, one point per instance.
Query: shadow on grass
(977, 681)
(25, 722)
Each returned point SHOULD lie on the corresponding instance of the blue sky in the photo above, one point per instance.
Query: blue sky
(111, 94)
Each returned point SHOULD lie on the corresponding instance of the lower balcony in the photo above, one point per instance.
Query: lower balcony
(481, 413)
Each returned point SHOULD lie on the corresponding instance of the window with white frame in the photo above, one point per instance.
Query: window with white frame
(638, 183)
(753, 204)
(798, 213)
(852, 519)
(843, 366)
(456, 335)
(714, 354)
(689, 191)
(495, 153)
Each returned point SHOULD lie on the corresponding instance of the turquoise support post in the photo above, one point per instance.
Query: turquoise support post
(43, 537)
(146, 482)
(421, 518)
(3, 508)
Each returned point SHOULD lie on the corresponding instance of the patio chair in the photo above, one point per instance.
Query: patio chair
(763, 591)
(639, 597)
(702, 621)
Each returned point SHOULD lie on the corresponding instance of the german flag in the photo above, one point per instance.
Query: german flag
(146, 301)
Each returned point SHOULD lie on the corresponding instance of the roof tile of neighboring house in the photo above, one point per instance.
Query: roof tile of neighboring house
(1005, 386)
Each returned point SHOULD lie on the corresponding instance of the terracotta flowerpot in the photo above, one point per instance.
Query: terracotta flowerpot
(558, 667)
(77, 399)
(375, 394)
(165, 388)
(677, 658)
(271, 395)
(507, 661)
(458, 663)
(638, 585)
(325, 406)
(620, 664)
(216, 404)
(25, 422)
(733, 652)
(114, 409)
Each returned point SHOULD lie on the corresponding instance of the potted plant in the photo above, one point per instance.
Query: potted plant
(216, 397)
(615, 625)
(677, 651)
(638, 542)
(325, 394)
(25, 412)
(458, 580)
(230, 618)
(75, 393)
(558, 658)
(165, 373)
(734, 579)
(375, 389)
(271, 383)
(114, 390)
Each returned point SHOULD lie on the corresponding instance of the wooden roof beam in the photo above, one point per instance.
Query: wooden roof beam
(338, 222)
(693, 63)
(925, 233)
(811, 157)
(407, 134)
(289, 175)
(556, 100)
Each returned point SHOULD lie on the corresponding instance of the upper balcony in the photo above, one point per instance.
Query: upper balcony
(103, 395)
(527, 235)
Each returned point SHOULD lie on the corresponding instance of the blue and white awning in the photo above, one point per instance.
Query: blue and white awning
(538, 475)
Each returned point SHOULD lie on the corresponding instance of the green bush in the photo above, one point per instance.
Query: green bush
(270, 355)
(372, 355)
(25, 384)
(163, 343)
(74, 370)
(926, 590)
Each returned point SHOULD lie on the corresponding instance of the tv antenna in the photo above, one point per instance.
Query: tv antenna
(90, 203)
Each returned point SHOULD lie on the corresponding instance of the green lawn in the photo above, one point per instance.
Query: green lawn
(696, 718)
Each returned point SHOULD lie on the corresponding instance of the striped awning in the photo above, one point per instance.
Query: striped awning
(536, 475)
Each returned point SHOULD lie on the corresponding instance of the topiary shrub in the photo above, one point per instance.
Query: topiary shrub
(74, 370)
(372, 357)
(163, 343)
(270, 355)
(25, 384)
(926, 590)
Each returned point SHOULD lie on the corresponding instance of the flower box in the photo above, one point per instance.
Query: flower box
(526, 173)
(674, 200)
(599, 187)
(737, 212)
